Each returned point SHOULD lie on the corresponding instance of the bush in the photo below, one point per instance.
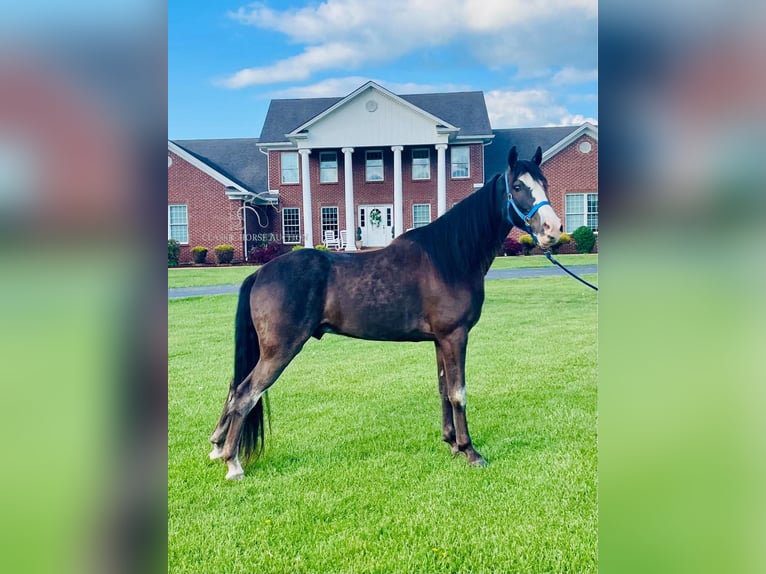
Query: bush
(224, 253)
(174, 250)
(262, 254)
(199, 254)
(527, 243)
(511, 246)
(584, 239)
(563, 240)
(297, 247)
(322, 247)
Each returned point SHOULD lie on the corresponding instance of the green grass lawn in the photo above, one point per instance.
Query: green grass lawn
(355, 477)
(201, 276)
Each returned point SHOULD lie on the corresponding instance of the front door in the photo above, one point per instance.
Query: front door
(377, 224)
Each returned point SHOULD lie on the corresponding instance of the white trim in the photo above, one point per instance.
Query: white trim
(446, 128)
(382, 165)
(203, 167)
(414, 205)
(452, 163)
(297, 168)
(334, 153)
(412, 163)
(284, 235)
(186, 213)
(585, 129)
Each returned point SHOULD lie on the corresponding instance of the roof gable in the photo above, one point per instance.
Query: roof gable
(551, 139)
(236, 163)
(463, 115)
(372, 90)
(585, 129)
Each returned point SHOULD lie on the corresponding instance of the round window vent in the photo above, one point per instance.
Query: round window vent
(371, 105)
(585, 147)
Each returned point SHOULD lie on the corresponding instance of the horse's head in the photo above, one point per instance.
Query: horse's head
(528, 205)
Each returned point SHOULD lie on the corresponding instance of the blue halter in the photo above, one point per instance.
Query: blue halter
(524, 218)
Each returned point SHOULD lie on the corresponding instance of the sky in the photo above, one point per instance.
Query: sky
(535, 61)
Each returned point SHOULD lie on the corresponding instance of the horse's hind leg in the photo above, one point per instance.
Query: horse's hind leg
(219, 433)
(247, 395)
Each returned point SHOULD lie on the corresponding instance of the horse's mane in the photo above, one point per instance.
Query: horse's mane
(466, 238)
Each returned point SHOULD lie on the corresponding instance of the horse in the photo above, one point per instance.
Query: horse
(426, 285)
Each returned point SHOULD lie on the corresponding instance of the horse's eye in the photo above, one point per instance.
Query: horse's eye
(516, 187)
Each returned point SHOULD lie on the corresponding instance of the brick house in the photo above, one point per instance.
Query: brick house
(372, 161)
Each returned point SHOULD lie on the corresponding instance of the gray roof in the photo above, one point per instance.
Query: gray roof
(238, 159)
(464, 110)
(526, 141)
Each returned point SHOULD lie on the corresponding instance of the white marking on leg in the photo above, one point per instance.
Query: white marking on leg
(458, 396)
(216, 453)
(235, 469)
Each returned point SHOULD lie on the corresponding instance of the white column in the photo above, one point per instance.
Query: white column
(441, 180)
(398, 203)
(308, 222)
(348, 183)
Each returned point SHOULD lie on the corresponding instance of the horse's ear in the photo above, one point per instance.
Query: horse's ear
(538, 159)
(512, 157)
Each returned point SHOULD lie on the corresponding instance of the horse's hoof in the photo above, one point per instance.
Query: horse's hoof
(216, 453)
(235, 470)
(234, 475)
(477, 462)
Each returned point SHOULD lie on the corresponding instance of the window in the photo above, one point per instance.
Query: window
(373, 165)
(289, 167)
(291, 225)
(421, 164)
(328, 167)
(330, 220)
(581, 209)
(460, 159)
(178, 223)
(421, 214)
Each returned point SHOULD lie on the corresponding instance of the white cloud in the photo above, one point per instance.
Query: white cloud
(574, 76)
(313, 59)
(346, 34)
(528, 108)
(341, 87)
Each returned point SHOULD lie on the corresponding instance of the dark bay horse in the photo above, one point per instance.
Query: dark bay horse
(427, 285)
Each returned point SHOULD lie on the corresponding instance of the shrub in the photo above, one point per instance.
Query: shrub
(199, 254)
(296, 247)
(321, 247)
(262, 254)
(358, 233)
(511, 246)
(584, 239)
(174, 250)
(527, 243)
(224, 253)
(563, 240)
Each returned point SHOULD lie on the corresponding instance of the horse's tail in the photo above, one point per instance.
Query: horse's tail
(246, 355)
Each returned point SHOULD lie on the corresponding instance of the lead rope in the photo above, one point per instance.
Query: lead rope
(525, 220)
(580, 279)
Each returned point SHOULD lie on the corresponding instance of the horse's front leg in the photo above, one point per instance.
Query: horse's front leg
(453, 351)
(448, 426)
